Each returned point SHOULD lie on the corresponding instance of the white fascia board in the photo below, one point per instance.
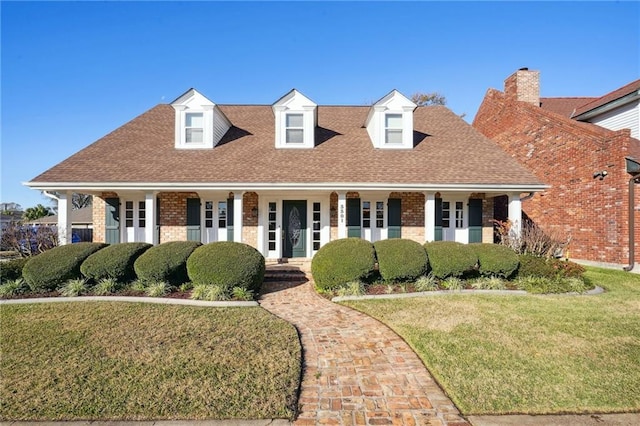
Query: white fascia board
(266, 186)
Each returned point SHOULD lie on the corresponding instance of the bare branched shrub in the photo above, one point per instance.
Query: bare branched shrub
(532, 239)
(28, 240)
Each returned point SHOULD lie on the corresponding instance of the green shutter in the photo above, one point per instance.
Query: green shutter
(229, 219)
(112, 221)
(394, 218)
(438, 228)
(475, 220)
(193, 219)
(158, 219)
(353, 218)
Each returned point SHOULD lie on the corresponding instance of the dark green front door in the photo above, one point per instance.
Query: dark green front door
(294, 227)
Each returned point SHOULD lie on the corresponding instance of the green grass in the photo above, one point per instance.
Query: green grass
(528, 354)
(117, 361)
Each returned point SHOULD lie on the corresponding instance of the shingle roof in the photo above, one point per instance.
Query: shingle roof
(563, 106)
(78, 216)
(609, 97)
(447, 151)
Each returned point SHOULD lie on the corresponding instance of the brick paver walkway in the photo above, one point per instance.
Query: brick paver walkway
(356, 370)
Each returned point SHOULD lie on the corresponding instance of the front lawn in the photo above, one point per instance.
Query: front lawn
(117, 361)
(528, 354)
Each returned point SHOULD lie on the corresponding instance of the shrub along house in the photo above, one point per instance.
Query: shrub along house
(287, 178)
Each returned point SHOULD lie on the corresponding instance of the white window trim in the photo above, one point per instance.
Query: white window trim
(387, 128)
(207, 129)
(286, 128)
(193, 113)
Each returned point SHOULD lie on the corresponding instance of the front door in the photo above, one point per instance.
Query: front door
(294, 228)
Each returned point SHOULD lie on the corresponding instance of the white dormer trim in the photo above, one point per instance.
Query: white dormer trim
(387, 118)
(213, 122)
(287, 111)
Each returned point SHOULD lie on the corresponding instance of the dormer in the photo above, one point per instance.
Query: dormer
(296, 120)
(390, 122)
(199, 122)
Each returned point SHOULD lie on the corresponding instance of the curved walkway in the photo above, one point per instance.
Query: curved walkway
(356, 370)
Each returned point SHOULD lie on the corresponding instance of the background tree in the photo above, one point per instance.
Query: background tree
(424, 99)
(33, 213)
(78, 201)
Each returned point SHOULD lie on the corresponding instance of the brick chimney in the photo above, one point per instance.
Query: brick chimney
(523, 85)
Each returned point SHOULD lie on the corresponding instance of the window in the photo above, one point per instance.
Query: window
(294, 128)
(128, 214)
(366, 214)
(446, 214)
(393, 128)
(316, 226)
(194, 127)
(459, 214)
(208, 214)
(222, 214)
(141, 214)
(272, 226)
(379, 214)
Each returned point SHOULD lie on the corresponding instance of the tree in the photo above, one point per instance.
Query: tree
(424, 99)
(78, 201)
(33, 213)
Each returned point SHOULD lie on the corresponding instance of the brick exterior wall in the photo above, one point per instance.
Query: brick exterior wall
(99, 210)
(487, 216)
(333, 221)
(412, 222)
(249, 222)
(173, 215)
(565, 154)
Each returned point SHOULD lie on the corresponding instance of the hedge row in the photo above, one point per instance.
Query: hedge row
(226, 264)
(352, 259)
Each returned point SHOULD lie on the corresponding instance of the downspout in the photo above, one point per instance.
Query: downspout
(50, 195)
(632, 182)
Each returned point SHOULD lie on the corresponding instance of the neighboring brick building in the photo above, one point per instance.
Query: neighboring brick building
(571, 156)
(289, 177)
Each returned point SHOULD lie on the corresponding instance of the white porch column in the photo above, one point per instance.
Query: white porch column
(515, 213)
(342, 215)
(64, 218)
(150, 234)
(237, 216)
(429, 216)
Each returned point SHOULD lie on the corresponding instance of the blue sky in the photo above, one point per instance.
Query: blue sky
(74, 71)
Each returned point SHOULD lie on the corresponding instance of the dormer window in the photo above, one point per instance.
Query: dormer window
(194, 127)
(393, 128)
(295, 121)
(390, 122)
(294, 128)
(199, 123)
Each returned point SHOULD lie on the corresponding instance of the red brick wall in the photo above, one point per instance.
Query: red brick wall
(99, 211)
(412, 222)
(173, 215)
(249, 221)
(565, 154)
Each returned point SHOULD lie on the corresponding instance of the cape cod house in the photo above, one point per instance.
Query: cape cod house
(289, 177)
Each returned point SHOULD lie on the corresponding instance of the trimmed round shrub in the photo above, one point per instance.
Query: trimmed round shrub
(495, 260)
(401, 260)
(450, 259)
(165, 262)
(342, 261)
(12, 269)
(227, 265)
(115, 261)
(46, 271)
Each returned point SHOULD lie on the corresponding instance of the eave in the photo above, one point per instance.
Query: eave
(266, 186)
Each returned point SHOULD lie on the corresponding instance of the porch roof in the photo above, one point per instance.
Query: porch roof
(447, 152)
